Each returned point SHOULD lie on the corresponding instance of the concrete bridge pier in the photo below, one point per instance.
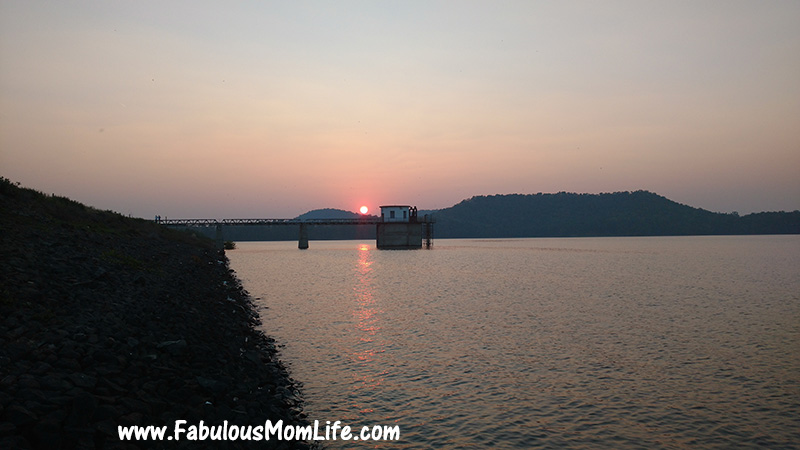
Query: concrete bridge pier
(428, 232)
(302, 242)
(220, 241)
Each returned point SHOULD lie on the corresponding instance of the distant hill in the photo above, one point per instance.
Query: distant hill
(328, 213)
(639, 213)
(564, 214)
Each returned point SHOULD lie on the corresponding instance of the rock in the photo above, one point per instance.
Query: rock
(207, 383)
(54, 382)
(83, 407)
(134, 406)
(42, 368)
(28, 381)
(82, 380)
(173, 347)
(18, 442)
(8, 381)
(19, 416)
(104, 356)
(285, 394)
(69, 364)
(7, 428)
(122, 322)
(16, 350)
(134, 418)
(108, 427)
(31, 395)
(48, 433)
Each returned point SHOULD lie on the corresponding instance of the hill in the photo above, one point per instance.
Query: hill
(328, 213)
(639, 213)
(108, 321)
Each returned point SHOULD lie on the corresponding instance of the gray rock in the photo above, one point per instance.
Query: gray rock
(82, 380)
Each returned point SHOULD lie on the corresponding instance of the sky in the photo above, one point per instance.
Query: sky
(269, 109)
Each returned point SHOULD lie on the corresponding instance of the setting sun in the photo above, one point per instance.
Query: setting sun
(364, 210)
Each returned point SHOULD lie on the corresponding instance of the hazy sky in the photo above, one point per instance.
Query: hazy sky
(270, 109)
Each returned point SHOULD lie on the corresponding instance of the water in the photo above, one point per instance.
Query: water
(673, 342)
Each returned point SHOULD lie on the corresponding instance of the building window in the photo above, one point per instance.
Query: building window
(405, 215)
(391, 214)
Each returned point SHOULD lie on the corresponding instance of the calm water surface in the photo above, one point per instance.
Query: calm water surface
(673, 342)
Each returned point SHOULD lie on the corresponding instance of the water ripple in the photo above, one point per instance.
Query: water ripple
(550, 343)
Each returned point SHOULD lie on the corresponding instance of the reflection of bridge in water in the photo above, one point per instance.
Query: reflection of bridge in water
(386, 231)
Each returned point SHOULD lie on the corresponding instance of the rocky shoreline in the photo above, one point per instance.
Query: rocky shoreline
(109, 321)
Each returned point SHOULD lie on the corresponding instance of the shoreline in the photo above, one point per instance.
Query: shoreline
(109, 321)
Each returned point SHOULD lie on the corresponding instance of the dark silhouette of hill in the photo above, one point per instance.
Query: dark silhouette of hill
(91, 301)
(328, 213)
(639, 213)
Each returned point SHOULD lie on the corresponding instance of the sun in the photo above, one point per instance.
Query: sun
(364, 209)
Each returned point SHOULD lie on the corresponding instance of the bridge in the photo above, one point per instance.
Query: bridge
(215, 222)
(426, 224)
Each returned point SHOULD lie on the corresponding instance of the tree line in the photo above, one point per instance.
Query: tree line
(638, 213)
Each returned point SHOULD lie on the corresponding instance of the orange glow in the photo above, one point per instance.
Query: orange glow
(364, 209)
(370, 344)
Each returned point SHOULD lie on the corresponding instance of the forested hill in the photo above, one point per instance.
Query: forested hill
(639, 213)
(328, 213)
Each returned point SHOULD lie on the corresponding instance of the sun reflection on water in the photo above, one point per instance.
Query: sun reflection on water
(368, 345)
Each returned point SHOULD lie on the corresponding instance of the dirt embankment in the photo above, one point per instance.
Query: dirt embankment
(108, 321)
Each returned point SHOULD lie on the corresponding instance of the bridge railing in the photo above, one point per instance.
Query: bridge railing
(426, 222)
(188, 222)
(233, 222)
(229, 222)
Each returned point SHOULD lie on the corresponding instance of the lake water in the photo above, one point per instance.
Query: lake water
(657, 342)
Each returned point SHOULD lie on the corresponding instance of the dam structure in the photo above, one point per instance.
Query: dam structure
(398, 227)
